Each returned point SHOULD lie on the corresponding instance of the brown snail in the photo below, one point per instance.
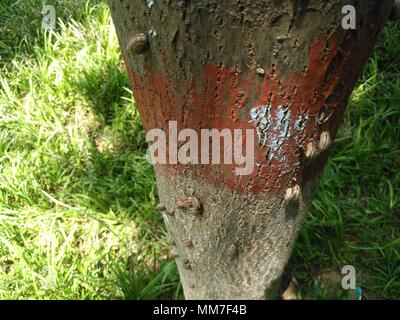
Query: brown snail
(138, 44)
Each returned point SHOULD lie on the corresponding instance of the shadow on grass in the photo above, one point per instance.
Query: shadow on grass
(104, 86)
(138, 282)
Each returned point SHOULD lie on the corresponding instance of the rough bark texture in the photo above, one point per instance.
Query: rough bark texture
(201, 71)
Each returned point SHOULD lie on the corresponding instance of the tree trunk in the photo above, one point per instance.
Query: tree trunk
(284, 69)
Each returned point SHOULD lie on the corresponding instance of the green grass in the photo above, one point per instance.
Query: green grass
(77, 197)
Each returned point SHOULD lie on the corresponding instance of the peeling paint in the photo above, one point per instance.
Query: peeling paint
(301, 122)
(273, 128)
(152, 33)
(261, 117)
(282, 127)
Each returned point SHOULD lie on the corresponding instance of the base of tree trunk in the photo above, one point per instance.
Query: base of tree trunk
(238, 247)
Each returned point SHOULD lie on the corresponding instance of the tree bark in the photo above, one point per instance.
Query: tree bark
(285, 69)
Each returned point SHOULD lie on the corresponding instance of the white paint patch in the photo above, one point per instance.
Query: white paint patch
(301, 122)
(152, 33)
(273, 128)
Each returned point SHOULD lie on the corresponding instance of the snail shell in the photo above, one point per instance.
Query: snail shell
(324, 141)
(138, 44)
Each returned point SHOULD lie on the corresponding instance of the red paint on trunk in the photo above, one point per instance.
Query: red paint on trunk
(220, 98)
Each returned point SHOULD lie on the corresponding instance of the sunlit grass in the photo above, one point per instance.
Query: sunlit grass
(77, 196)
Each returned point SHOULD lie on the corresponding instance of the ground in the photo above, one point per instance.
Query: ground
(77, 196)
